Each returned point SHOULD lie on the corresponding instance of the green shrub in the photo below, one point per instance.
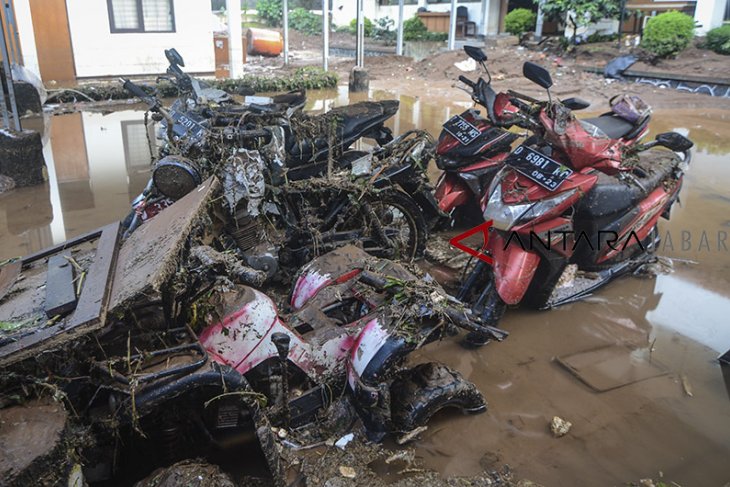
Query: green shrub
(667, 34)
(519, 21)
(368, 27)
(719, 40)
(305, 21)
(383, 30)
(415, 30)
(270, 12)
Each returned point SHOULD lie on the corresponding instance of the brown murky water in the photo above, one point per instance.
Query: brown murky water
(97, 163)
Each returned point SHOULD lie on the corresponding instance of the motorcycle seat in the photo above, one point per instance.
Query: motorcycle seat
(345, 124)
(614, 194)
(612, 126)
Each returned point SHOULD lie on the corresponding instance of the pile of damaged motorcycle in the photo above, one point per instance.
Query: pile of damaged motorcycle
(265, 289)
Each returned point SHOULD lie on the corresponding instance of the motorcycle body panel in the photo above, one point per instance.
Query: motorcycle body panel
(491, 140)
(513, 266)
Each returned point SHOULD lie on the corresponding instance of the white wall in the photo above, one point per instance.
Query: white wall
(26, 35)
(344, 11)
(98, 52)
(709, 14)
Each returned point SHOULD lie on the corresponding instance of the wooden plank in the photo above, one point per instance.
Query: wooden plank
(60, 291)
(84, 237)
(93, 305)
(8, 275)
(149, 257)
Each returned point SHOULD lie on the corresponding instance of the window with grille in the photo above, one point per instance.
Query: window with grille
(395, 2)
(141, 15)
(137, 155)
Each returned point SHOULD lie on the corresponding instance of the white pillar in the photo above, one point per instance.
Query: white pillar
(325, 34)
(360, 35)
(399, 42)
(285, 21)
(709, 14)
(540, 20)
(452, 26)
(235, 39)
(484, 16)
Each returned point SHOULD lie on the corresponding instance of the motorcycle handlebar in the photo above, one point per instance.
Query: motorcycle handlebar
(467, 81)
(135, 90)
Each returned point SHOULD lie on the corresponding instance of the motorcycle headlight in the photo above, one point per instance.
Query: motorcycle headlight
(505, 216)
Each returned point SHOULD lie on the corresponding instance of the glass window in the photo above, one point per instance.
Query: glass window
(141, 15)
(395, 2)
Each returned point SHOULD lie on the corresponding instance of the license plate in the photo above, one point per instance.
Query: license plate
(187, 125)
(546, 172)
(462, 130)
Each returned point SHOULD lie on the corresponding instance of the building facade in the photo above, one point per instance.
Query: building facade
(69, 40)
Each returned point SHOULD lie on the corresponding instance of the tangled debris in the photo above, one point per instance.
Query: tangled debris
(301, 78)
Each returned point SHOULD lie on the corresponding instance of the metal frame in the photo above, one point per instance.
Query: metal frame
(9, 57)
(140, 20)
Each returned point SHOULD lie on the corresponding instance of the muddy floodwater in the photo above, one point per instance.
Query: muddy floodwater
(649, 344)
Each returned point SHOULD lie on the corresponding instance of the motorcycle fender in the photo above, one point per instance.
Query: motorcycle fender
(242, 338)
(514, 268)
(374, 351)
(451, 192)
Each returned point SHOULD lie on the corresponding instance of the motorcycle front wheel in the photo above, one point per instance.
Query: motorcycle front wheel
(390, 225)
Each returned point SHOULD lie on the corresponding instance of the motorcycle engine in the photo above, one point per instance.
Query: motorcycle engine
(248, 234)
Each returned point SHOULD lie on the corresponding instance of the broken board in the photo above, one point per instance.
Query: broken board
(25, 301)
(610, 367)
(60, 290)
(149, 257)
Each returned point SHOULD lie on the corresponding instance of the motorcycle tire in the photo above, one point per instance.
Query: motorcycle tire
(415, 246)
(420, 392)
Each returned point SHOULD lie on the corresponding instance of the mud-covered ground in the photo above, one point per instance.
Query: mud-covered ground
(436, 75)
(674, 427)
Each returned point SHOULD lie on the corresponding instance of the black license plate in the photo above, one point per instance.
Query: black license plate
(186, 125)
(462, 130)
(546, 172)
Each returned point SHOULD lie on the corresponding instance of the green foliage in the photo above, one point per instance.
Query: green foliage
(667, 34)
(383, 30)
(519, 21)
(368, 24)
(415, 30)
(270, 12)
(305, 21)
(598, 37)
(581, 12)
(719, 40)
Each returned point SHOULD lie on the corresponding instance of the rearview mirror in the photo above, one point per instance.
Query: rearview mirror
(537, 74)
(476, 53)
(174, 57)
(575, 103)
(674, 141)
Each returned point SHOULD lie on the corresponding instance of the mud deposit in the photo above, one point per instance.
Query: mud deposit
(675, 421)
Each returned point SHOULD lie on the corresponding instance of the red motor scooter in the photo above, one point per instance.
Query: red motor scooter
(471, 148)
(550, 209)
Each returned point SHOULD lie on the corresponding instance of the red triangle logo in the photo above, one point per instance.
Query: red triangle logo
(479, 254)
